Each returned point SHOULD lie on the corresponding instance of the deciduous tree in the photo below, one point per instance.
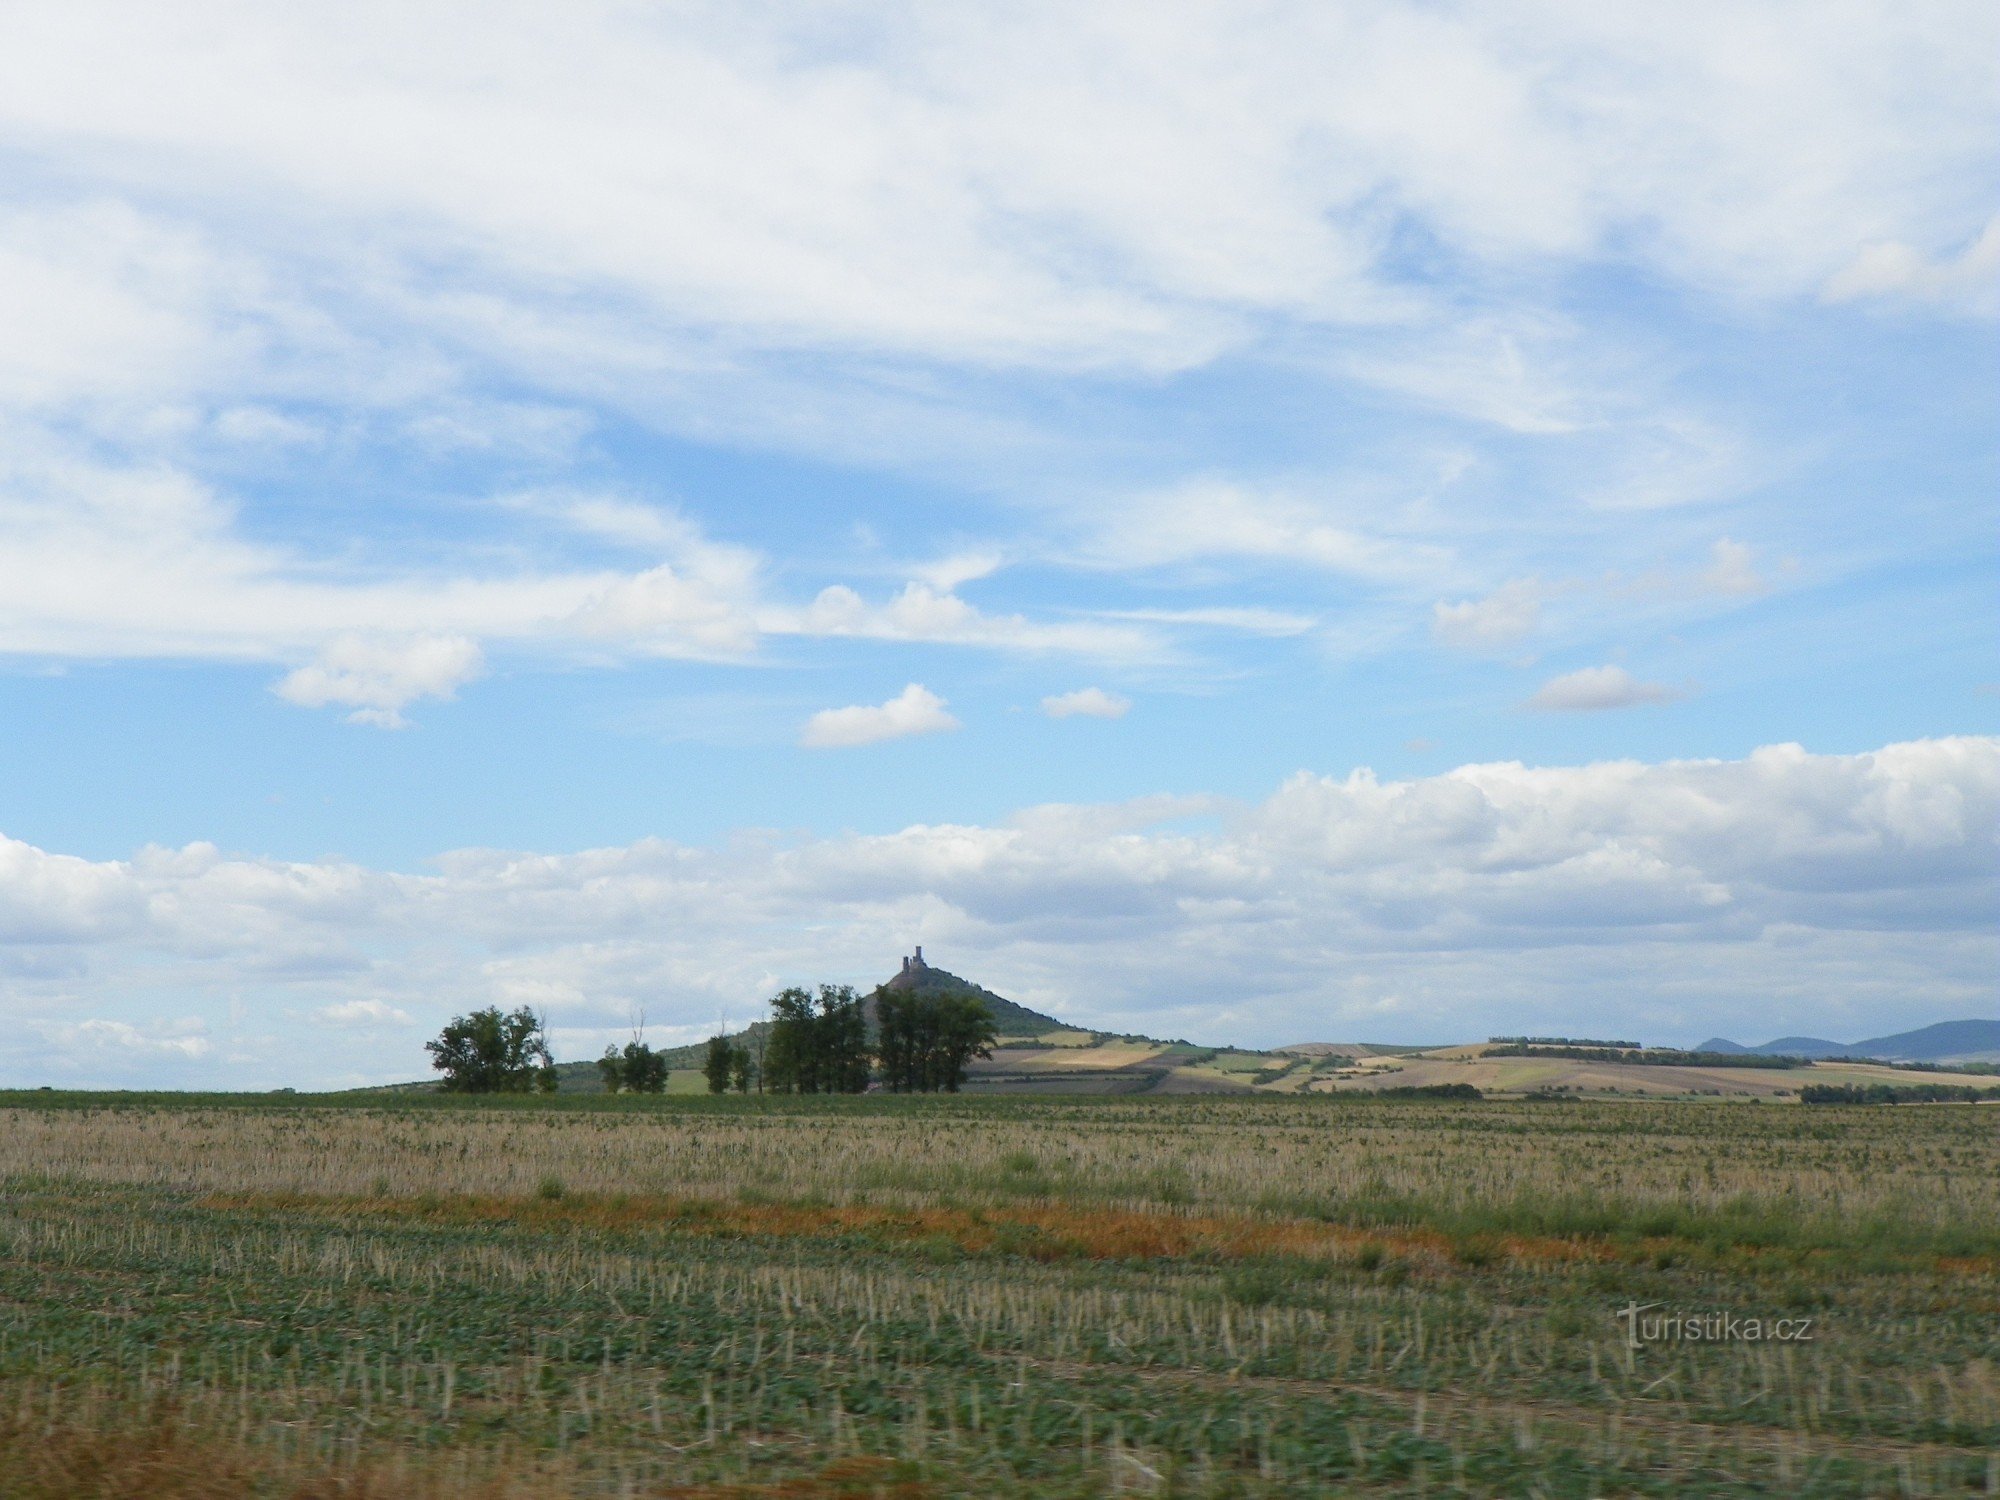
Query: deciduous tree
(489, 1052)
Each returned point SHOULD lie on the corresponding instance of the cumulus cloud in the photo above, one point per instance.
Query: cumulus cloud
(1091, 702)
(1596, 688)
(1501, 618)
(1782, 891)
(379, 678)
(915, 710)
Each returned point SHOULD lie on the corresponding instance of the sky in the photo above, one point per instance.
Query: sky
(1262, 523)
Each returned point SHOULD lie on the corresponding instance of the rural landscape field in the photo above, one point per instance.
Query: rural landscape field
(898, 751)
(934, 1296)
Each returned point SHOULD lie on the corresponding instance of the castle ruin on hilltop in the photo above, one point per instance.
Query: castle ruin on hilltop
(915, 972)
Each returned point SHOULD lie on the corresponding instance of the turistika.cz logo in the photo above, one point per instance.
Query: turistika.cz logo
(1644, 1326)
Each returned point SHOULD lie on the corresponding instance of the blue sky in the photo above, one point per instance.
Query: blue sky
(1262, 526)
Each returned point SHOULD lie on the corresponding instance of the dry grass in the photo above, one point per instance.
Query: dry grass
(164, 1450)
(914, 1298)
(1938, 1167)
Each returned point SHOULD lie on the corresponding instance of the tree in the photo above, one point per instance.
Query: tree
(739, 1068)
(790, 1064)
(962, 1031)
(612, 1067)
(841, 1028)
(928, 1040)
(645, 1070)
(817, 1047)
(896, 1038)
(491, 1053)
(715, 1067)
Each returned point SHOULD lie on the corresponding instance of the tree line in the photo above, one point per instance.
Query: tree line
(1886, 1093)
(814, 1043)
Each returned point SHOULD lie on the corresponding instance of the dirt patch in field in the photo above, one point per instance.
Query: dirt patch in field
(1044, 1233)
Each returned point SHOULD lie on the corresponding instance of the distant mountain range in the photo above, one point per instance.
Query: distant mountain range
(1946, 1042)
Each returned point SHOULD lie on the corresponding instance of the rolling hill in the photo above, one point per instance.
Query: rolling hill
(1944, 1042)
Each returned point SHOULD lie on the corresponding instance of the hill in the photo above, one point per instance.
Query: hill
(1012, 1021)
(1009, 1019)
(1944, 1042)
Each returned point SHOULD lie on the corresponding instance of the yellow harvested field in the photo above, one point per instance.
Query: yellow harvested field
(1036, 1059)
(1525, 1074)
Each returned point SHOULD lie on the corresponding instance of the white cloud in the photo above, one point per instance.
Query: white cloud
(915, 710)
(1731, 570)
(738, 230)
(1968, 282)
(967, 184)
(144, 560)
(664, 613)
(1249, 619)
(1501, 618)
(1210, 518)
(920, 613)
(1596, 688)
(380, 678)
(1783, 891)
(182, 1040)
(1091, 702)
(363, 1013)
(947, 573)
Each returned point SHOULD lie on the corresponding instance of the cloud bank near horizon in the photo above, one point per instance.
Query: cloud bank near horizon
(1783, 891)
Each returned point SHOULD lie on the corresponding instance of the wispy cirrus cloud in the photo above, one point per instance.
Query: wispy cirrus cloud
(1089, 703)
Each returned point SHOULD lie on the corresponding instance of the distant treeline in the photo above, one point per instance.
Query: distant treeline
(1426, 1091)
(1657, 1057)
(1883, 1093)
(1564, 1041)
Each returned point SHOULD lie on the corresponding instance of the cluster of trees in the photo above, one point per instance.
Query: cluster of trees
(1886, 1093)
(637, 1069)
(817, 1046)
(728, 1065)
(491, 1053)
(1656, 1057)
(814, 1044)
(925, 1042)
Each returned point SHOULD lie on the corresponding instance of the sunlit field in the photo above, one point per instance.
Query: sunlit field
(1262, 1295)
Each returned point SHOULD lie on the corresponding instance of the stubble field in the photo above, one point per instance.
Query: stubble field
(1259, 1295)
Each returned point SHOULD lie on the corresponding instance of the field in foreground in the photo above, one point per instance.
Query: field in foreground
(1259, 1295)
